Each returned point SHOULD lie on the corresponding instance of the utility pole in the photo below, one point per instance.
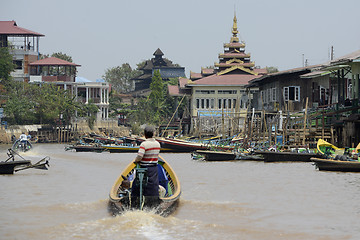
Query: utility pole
(332, 53)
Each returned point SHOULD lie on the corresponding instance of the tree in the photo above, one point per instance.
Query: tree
(6, 66)
(120, 77)
(272, 69)
(62, 56)
(157, 95)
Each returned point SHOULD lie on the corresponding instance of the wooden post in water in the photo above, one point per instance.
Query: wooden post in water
(305, 119)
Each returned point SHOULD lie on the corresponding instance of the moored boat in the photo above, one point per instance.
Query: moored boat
(120, 194)
(121, 148)
(336, 165)
(176, 145)
(10, 165)
(217, 155)
(270, 156)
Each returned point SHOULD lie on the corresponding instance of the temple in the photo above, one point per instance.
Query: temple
(167, 70)
(218, 94)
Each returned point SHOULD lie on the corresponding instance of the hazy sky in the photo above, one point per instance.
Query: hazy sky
(104, 34)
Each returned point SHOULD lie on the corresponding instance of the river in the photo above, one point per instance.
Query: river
(220, 200)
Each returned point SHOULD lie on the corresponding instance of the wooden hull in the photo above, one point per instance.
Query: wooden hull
(336, 165)
(85, 148)
(121, 149)
(9, 167)
(217, 156)
(176, 145)
(286, 156)
(162, 205)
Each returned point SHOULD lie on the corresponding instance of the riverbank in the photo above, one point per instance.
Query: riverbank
(48, 133)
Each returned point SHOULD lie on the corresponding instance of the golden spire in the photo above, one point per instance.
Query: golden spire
(234, 38)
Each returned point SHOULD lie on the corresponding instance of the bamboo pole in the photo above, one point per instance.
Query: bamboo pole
(305, 119)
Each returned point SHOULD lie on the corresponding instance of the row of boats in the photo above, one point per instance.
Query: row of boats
(96, 143)
(326, 156)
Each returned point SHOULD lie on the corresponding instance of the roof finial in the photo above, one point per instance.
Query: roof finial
(234, 29)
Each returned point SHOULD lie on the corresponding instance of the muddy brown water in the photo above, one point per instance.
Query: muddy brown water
(220, 200)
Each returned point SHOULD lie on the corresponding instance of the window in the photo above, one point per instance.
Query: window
(224, 103)
(292, 93)
(234, 103)
(273, 94)
(205, 91)
(202, 103)
(219, 103)
(18, 64)
(229, 103)
(207, 103)
(227, 91)
(212, 103)
(197, 103)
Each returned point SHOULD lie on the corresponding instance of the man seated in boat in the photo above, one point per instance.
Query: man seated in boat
(147, 157)
(24, 139)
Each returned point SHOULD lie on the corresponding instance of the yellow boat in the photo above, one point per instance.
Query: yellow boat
(167, 201)
(327, 148)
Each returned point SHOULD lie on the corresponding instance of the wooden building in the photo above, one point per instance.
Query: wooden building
(166, 67)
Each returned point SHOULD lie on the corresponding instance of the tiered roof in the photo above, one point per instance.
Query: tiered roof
(235, 63)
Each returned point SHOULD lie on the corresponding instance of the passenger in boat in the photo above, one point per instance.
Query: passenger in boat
(24, 140)
(23, 137)
(147, 157)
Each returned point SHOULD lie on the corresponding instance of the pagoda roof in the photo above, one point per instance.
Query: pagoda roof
(11, 28)
(249, 64)
(234, 55)
(234, 45)
(158, 52)
(53, 61)
(225, 80)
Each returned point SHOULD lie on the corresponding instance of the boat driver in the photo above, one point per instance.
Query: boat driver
(147, 157)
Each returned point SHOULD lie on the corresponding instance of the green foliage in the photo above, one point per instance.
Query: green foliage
(62, 56)
(272, 69)
(173, 81)
(6, 66)
(89, 111)
(156, 97)
(116, 106)
(120, 77)
(45, 104)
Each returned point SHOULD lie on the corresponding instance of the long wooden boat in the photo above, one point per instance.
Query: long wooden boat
(21, 145)
(176, 145)
(120, 198)
(217, 155)
(336, 165)
(88, 148)
(10, 165)
(121, 148)
(269, 156)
